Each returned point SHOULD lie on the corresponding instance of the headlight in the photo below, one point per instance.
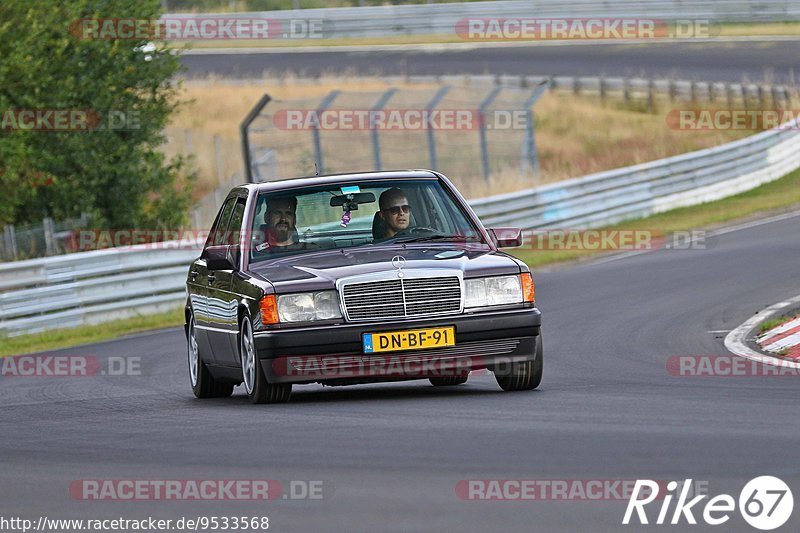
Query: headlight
(498, 290)
(308, 306)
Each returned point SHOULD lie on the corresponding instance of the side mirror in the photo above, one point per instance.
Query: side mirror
(507, 237)
(222, 257)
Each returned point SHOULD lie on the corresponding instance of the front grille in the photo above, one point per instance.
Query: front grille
(402, 297)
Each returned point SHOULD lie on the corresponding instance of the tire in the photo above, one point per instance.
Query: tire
(525, 375)
(449, 381)
(203, 383)
(253, 379)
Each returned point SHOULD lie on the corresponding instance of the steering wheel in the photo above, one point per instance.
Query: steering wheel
(415, 231)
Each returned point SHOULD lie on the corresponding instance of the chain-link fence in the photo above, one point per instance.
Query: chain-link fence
(472, 134)
(38, 240)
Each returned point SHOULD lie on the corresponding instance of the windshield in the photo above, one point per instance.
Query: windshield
(357, 214)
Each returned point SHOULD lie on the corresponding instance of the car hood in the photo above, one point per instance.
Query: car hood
(320, 270)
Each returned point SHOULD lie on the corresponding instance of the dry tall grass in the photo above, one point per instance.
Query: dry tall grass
(575, 135)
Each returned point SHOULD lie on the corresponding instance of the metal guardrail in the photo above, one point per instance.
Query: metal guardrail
(649, 188)
(441, 19)
(91, 287)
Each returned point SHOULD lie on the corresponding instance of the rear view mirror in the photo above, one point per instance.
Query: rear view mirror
(507, 237)
(350, 201)
(223, 257)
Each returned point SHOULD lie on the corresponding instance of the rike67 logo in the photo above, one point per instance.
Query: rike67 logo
(765, 503)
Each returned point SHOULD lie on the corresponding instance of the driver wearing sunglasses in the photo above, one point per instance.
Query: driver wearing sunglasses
(394, 210)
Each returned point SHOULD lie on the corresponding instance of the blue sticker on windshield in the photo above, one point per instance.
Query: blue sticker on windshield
(351, 189)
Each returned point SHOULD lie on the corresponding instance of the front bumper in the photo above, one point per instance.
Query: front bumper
(333, 353)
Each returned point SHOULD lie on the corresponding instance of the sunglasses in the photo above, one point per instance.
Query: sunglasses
(396, 209)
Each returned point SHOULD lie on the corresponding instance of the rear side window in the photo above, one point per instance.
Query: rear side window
(217, 236)
(235, 225)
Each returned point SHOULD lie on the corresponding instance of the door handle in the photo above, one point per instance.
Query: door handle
(211, 278)
(193, 274)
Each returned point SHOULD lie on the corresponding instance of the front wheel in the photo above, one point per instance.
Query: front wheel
(524, 375)
(203, 383)
(255, 382)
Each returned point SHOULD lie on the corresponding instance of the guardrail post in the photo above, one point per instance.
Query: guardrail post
(673, 91)
(429, 126)
(530, 155)
(651, 96)
(376, 146)
(576, 86)
(315, 136)
(482, 117)
(10, 238)
(693, 91)
(626, 90)
(49, 238)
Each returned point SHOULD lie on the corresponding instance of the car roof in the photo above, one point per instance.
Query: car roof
(333, 179)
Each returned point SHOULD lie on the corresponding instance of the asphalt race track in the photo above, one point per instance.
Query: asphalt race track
(390, 455)
(723, 61)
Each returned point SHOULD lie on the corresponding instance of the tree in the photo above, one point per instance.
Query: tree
(114, 171)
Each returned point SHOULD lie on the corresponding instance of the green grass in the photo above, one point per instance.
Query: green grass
(773, 323)
(781, 193)
(63, 338)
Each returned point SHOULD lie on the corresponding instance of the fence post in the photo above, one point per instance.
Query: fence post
(602, 89)
(626, 90)
(775, 97)
(429, 126)
(11, 241)
(49, 238)
(187, 137)
(218, 159)
(327, 101)
(376, 145)
(482, 117)
(244, 133)
(651, 97)
(530, 155)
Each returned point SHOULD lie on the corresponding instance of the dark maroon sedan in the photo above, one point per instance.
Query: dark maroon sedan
(357, 278)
